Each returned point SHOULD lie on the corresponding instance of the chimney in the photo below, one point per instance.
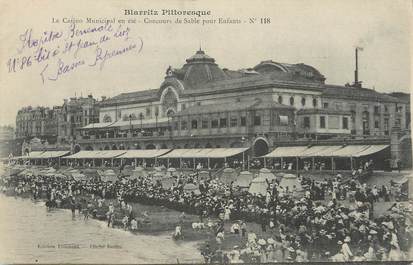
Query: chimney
(357, 83)
(103, 98)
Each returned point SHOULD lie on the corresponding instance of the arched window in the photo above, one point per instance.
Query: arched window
(170, 112)
(129, 117)
(303, 101)
(280, 99)
(314, 102)
(169, 100)
(107, 118)
(366, 122)
(292, 101)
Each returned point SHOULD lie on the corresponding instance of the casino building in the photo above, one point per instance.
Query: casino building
(202, 105)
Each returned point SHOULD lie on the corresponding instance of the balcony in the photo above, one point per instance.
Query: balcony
(124, 137)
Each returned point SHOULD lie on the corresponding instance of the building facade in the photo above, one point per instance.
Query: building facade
(53, 128)
(6, 141)
(39, 122)
(76, 113)
(271, 104)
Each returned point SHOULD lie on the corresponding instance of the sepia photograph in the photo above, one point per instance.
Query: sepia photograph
(206, 132)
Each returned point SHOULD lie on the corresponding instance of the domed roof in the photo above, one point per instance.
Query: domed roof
(199, 69)
(200, 56)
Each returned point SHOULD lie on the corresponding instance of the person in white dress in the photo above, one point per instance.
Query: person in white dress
(345, 249)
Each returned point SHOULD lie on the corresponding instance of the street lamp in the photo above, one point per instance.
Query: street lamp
(130, 123)
(156, 120)
(141, 118)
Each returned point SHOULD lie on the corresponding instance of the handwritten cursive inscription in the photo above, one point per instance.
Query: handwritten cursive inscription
(58, 53)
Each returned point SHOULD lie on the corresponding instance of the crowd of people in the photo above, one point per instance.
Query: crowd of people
(329, 220)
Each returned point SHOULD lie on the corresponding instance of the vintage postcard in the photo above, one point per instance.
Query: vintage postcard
(192, 131)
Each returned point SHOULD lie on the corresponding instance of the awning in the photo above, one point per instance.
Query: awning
(31, 155)
(96, 154)
(97, 125)
(287, 151)
(204, 153)
(349, 150)
(371, 150)
(137, 123)
(225, 152)
(150, 153)
(319, 151)
(54, 154)
(326, 151)
(110, 153)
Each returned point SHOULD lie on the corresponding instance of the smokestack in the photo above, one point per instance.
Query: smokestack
(357, 83)
(356, 78)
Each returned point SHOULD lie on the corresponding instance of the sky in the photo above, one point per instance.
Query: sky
(321, 33)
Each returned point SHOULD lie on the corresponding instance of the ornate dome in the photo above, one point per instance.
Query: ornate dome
(199, 69)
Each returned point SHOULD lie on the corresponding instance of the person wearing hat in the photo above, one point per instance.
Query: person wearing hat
(271, 255)
(235, 255)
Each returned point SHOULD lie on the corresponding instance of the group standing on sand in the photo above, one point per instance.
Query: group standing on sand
(333, 221)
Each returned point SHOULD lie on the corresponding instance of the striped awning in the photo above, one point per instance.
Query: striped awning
(204, 153)
(150, 153)
(287, 151)
(53, 154)
(106, 154)
(326, 151)
(31, 155)
(371, 150)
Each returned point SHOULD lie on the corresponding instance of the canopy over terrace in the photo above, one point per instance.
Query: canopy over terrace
(53, 154)
(142, 154)
(204, 153)
(334, 151)
(106, 154)
(31, 155)
(149, 153)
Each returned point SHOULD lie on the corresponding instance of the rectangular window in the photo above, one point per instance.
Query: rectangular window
(376, 124)
(386, 126)
(322, 122)
(233, 122)
(183, 106)
(283, 120)
(223, 123)
(333, 122)
(194, 124)
(214, 123)
(345, 123)
(257, 120)
(376, 109)
(386, 109)
(306, 123)
(204, 124)
(243, 121)
(325, 105)
(184, 125)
